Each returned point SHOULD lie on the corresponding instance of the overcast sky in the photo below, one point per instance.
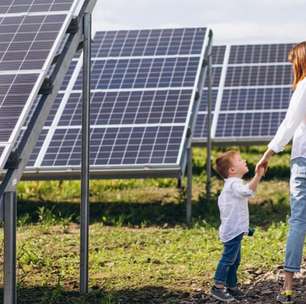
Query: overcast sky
(232, 21)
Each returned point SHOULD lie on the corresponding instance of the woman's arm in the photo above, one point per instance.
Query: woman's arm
(294, 116)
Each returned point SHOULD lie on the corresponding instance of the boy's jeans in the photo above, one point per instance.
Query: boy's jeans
(226, 272)
(297, 221)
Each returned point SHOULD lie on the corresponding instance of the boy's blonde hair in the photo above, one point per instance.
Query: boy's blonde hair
(224, 162)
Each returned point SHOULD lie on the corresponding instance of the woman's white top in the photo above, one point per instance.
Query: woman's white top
(234, 210)
(293, 125)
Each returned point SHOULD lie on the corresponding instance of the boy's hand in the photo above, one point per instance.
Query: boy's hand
(261, 170)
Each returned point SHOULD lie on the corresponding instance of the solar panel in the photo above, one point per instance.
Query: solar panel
(143, 91)
(31, 31)
(251, 95)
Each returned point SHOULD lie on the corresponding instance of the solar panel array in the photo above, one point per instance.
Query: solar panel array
(143, 89)
(250, 94)
(31, 31)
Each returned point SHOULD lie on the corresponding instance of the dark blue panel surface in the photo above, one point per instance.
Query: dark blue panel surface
(200, 130)
(259, 53)
(142, 73)
(26, 41)
(37, 148)
(248, 124)
(130, 107)
(218, 52)
(203, 103)
(116, 146)
(164, 42)
(255, 99)
(258, 75)
(14, 93)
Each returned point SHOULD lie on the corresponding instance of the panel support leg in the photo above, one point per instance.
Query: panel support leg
(208, 150)
(189, 186)
(10, 214)
(84, 238)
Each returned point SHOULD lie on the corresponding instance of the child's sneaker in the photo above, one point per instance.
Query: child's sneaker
(236, 293)
(221, 294)
(285, 297)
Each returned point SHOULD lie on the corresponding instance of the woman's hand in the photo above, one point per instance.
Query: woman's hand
(263, 162)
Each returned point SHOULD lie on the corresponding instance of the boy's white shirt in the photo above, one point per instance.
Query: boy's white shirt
(293, 125)
(234, 210)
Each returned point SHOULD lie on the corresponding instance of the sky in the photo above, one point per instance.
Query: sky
(232, 21)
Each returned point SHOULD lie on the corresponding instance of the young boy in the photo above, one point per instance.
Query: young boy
(234, 214)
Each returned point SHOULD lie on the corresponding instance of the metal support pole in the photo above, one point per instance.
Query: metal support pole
(10, 214)
(85, 156)
(208, 160)
(189, 186)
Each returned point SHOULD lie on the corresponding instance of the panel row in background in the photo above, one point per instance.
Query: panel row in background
(143, 95)
(250, 95)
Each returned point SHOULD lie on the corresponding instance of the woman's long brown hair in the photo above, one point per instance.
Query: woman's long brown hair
(297, 56)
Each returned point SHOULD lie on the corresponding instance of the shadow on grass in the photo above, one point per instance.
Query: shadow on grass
(262, 291)
(143, 295)
(57, 295)
(160, 214)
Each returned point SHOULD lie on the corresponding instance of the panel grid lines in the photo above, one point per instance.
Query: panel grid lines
(29, 40)
(141, 101)
(257, 87)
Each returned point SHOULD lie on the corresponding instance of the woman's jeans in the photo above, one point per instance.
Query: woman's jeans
(226, 272)
(297, 221)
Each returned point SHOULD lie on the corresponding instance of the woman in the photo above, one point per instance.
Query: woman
(294, 125)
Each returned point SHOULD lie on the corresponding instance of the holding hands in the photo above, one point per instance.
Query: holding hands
(262, 165)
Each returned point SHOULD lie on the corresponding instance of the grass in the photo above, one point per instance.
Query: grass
(140, 248)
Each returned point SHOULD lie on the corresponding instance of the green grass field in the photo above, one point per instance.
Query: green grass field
(141, 250)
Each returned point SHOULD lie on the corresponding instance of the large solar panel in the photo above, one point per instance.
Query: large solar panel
(250, 95)
(31, 31)
(143, 94)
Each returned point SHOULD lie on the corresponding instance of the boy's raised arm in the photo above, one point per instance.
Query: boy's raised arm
(256, 179)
